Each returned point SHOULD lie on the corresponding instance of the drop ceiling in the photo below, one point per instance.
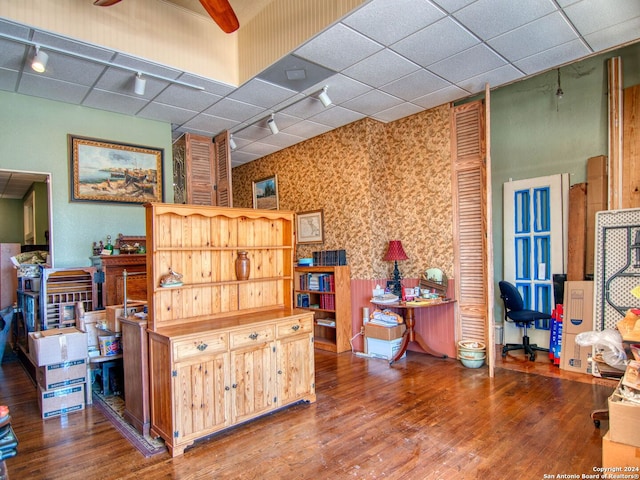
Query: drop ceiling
(385, 60)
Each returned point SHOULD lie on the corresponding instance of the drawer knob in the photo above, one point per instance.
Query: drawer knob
(202, 347)
(295, 328)
(279, 372)
(253, 336)
(227, 388)
(235, 385)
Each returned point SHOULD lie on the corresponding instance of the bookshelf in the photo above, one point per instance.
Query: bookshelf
(327, 292)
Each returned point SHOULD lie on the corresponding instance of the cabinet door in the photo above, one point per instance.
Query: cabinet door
(199, 396)
(252, 382)
(295, 369)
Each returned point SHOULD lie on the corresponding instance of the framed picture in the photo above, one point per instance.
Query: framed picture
(309, 227)
(103, 171)
(265, 193)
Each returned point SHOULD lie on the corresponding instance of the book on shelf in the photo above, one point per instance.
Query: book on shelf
(303, 300)
(318, 282)
(329, 258)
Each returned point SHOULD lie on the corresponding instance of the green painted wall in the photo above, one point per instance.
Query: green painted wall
(33, 137)
(534, 134)
(11, 221)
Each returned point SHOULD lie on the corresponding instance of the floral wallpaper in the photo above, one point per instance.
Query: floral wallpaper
(375, 182)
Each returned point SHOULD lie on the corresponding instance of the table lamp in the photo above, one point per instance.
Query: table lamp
(395, 252)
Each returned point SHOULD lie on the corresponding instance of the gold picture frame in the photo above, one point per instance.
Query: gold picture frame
(265, 193)
(105, 171)
(310, 227)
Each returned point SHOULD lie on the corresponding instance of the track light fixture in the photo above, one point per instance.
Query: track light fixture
(232, 143)
(140, 84)
(272, 124)
(39, 63)
(324, 97)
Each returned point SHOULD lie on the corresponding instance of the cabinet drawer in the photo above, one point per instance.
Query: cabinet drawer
(252, 336)
(295, 327)
(210, 343)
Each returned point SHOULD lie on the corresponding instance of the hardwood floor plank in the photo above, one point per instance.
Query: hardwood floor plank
(422, 418)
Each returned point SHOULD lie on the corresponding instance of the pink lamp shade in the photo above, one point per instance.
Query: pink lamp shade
(395, 252)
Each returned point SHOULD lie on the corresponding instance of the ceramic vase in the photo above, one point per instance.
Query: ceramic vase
(243, 265)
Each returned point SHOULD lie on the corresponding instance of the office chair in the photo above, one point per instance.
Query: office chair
(515, 312)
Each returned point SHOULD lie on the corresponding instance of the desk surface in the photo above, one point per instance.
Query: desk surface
(415, 304)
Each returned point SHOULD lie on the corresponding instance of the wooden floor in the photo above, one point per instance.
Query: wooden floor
(422, 418)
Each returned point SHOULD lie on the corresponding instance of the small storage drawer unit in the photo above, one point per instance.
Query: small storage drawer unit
(200, 345)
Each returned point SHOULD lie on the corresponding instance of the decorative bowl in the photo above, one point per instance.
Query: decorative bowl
(477, 363)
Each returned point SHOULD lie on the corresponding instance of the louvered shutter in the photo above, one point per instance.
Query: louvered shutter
(200, 170)
(223, 170)
(470, 220)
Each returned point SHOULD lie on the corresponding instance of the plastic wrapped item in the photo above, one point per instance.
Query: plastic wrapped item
(608, 343)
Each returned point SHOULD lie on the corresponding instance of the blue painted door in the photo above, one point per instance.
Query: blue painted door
(535, 245)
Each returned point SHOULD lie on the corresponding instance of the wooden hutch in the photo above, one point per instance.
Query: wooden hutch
(222, 350)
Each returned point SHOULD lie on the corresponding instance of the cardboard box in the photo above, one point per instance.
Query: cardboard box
(619, 455)
(574, 357)
(114, 312)
(578, 307)
(58, 345)
(61, 375)
(624, 421)
(384, 348)
(383, 333)
(61, 401)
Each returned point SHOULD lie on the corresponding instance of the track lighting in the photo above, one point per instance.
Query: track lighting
(324, 97)
(232, 143)
(272, 124)
(39, 63)
(140, 85)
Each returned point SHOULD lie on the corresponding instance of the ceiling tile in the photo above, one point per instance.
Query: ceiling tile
(453, 5)
(322, 49)
(395, 113)
(590, 16)
(372, 102)
(447, 94)
(261, 93)
(415, 85)
(368, 71)
(114, 102)
(499, 76)
(535, 37)
(209, 123)
(122, 81)
(282, 140)
(240, 158)
(252, 133)
(342, 88)
(554, 56)
(234, 110)
(73, 70)
(167, 113)
(183, 97)
(612, 36)
(210, 86)
(337, 117)
(307, 129)
(387, 22)
(295, 73)
(13, 54)
(436, 42)
(52, 89)
(490, 18)
(8, 79)
(467, 64)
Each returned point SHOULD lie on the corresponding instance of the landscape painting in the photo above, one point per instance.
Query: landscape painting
(103, 171)
(265, 193)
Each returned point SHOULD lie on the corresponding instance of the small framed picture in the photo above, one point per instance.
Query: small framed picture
(265, 193)
(309, 227)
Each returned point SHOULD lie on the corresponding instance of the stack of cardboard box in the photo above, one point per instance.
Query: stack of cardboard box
(383, 342)
(621, 444)
(60, 356)
(577, 318)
